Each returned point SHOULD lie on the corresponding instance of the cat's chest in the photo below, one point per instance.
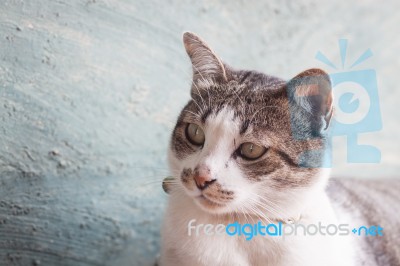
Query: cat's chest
(199, 241)
(226, 249)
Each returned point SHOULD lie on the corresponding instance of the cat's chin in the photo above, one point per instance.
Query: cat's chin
(209, 205)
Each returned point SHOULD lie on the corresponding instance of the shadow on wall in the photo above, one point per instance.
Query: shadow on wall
(89, 92)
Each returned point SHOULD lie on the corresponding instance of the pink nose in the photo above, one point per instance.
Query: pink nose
(203, 182)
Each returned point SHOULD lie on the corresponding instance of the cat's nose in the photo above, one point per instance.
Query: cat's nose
(203, 182)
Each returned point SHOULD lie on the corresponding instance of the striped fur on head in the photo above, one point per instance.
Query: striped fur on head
(233, 107)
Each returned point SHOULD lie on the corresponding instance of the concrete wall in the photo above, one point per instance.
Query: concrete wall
(89, 91)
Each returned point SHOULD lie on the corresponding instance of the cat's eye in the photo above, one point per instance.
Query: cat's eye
(251, 151)
(195, 134)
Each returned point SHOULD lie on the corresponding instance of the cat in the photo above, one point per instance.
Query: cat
(249, 147)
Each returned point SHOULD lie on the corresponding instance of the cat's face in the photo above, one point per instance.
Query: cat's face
(239, 144)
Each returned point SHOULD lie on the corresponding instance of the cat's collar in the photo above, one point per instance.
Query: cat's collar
(293, 220)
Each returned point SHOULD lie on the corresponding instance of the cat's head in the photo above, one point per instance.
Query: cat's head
(248, 142)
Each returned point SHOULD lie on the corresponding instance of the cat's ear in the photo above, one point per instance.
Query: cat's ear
(312, 91)
(206, 64)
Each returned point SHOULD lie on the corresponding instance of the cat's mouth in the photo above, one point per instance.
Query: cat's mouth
(204, 201)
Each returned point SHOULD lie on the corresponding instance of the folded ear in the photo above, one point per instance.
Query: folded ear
(312, 91)
(206, 65)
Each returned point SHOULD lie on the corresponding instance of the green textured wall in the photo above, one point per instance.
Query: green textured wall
(89, 91)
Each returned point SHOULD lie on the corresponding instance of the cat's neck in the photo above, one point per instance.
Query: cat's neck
(314, 210)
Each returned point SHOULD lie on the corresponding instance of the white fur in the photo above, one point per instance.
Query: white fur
(311, 204)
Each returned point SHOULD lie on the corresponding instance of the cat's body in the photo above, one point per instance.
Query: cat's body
(181, 249)
(248, 147)
(360, 202)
